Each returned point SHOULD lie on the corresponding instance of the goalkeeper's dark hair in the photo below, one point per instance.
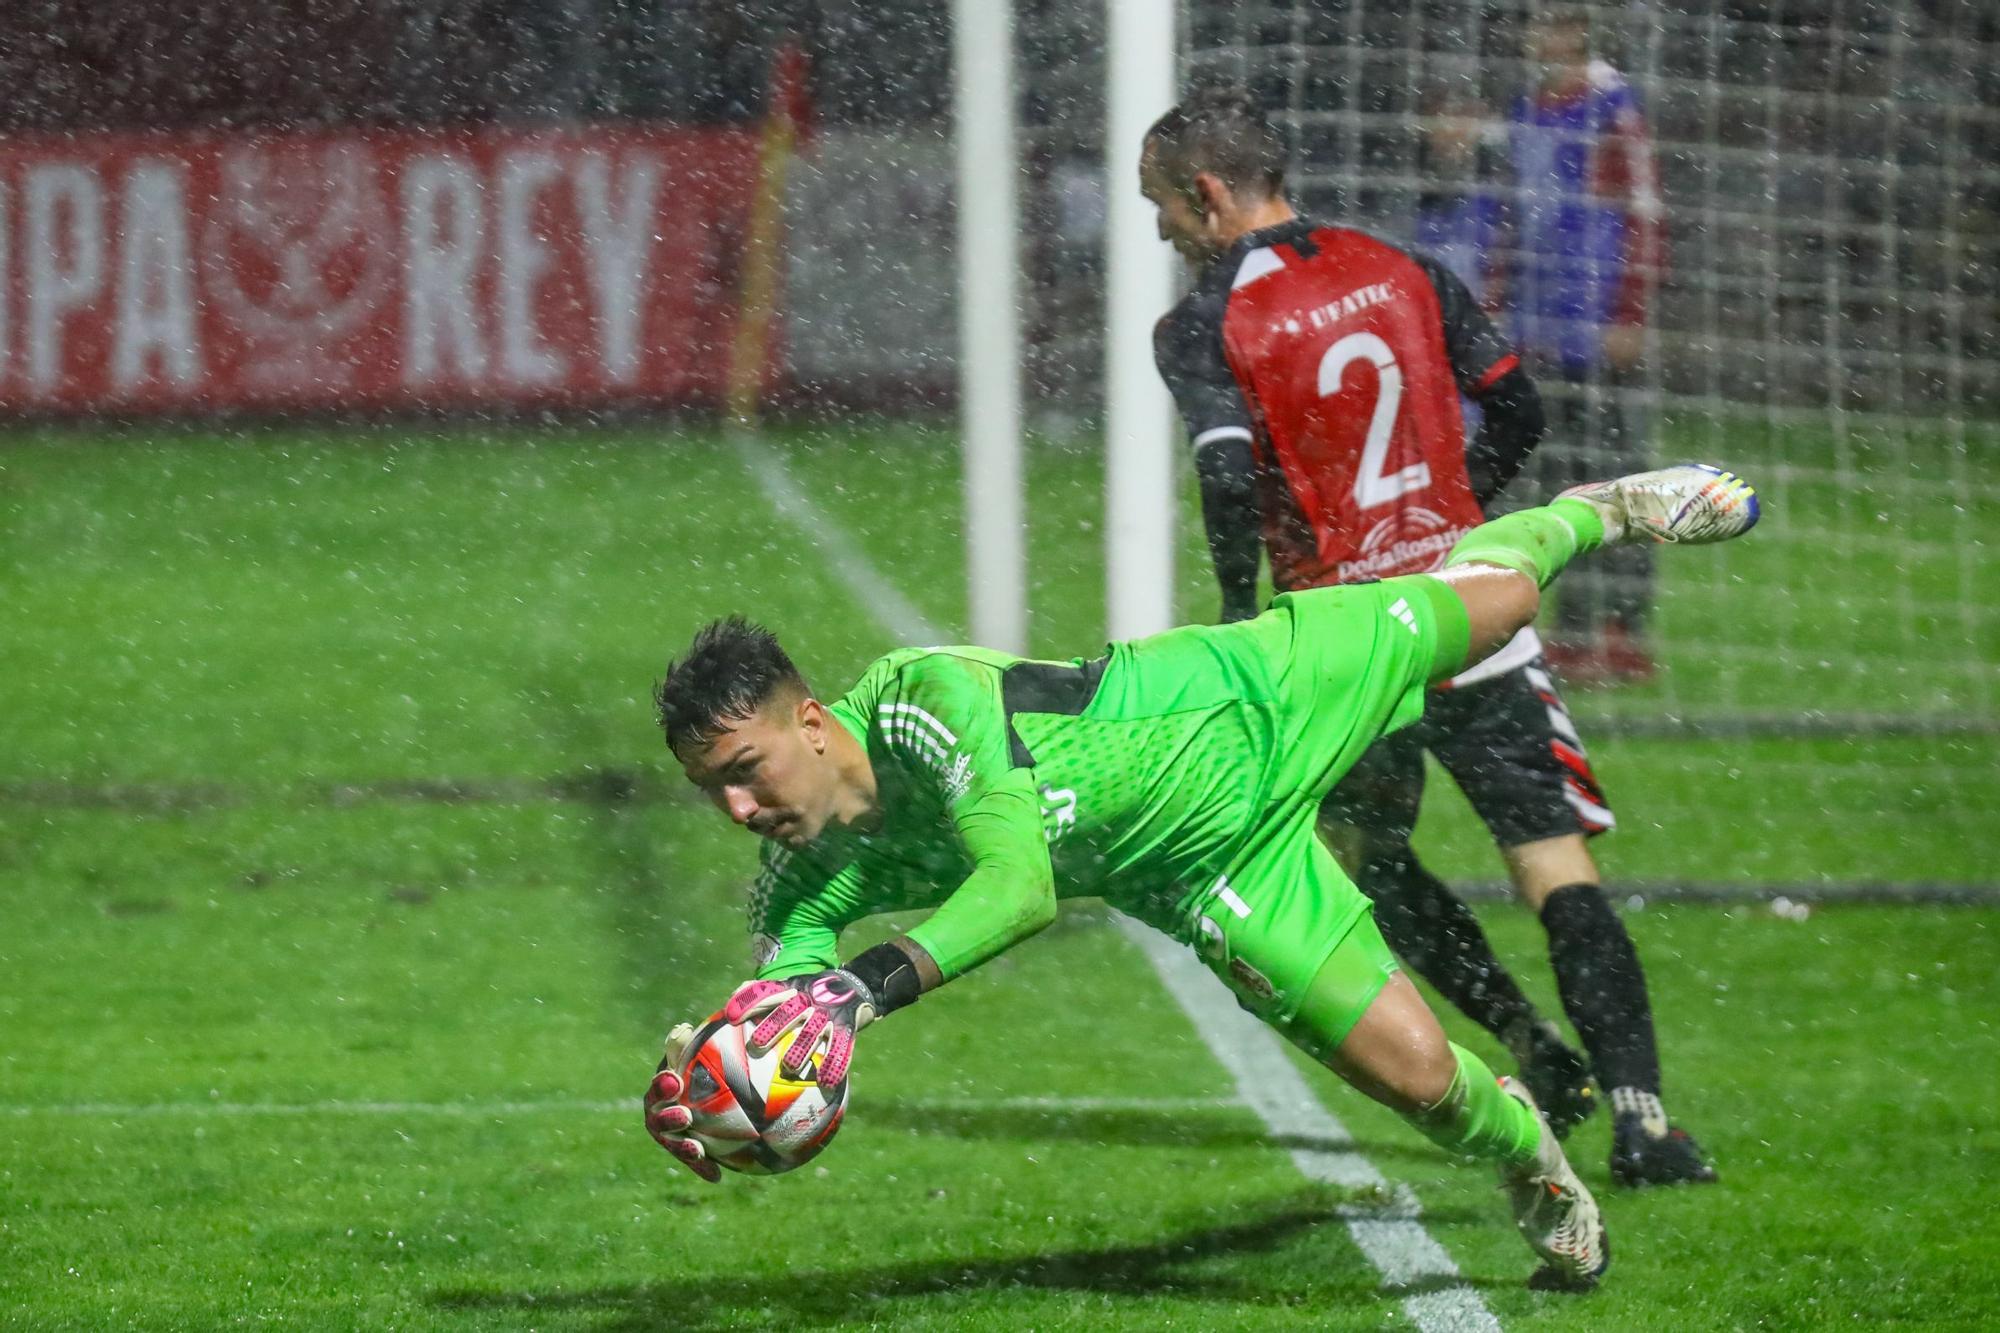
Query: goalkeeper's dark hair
(732, 669)
(1220, 129)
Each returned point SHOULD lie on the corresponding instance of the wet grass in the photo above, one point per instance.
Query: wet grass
(346, 894)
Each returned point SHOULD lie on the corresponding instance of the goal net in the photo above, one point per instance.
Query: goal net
(1827, 186)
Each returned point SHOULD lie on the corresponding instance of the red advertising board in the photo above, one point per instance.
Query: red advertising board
(369, 268)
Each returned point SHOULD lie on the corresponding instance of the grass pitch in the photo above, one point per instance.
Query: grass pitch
(347, 892)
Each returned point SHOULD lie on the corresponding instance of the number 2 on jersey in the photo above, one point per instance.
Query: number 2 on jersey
(1372, 485)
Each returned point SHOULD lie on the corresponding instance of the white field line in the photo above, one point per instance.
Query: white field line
(474, 1110)
(1391, 1237)
(1269, 1084)
(895, 612)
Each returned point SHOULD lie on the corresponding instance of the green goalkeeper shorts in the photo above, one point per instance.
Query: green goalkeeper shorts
(1349, 664)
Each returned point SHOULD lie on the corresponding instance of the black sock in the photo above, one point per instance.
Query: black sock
(1603, 987)
(1439, 939)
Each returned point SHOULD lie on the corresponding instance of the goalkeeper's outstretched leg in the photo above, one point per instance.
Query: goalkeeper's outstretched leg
(1395, 1052)
(1499, 568)
(1364, 1019)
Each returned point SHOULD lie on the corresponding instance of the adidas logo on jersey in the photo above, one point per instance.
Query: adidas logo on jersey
(958, 778)
(1400, 609)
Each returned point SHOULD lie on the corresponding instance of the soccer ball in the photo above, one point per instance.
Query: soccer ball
(748, 1115)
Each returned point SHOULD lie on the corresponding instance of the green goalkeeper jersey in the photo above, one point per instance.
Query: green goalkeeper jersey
(1144, 777)
(1092, 783)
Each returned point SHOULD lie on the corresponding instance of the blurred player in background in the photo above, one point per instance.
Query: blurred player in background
(1461, 220)
(1179, 777)
(1318, 371)
(1588, 248)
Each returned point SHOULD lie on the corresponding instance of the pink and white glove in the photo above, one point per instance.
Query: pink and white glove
(666, 1116)
(830, 1007)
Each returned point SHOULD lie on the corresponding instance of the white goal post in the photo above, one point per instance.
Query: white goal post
(989, 322)
(1140, 499)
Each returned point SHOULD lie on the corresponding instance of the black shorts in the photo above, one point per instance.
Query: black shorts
(1509, 744)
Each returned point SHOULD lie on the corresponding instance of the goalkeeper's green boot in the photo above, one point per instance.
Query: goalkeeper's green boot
(1555, 1212)
(1691, 504)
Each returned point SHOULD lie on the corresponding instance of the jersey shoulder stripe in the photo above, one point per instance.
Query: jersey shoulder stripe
(914, 743)
(961, 684)
(1259, 263)
(912, 716)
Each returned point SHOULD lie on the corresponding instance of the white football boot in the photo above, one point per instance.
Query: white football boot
(1691, 504)
(1555, 1212)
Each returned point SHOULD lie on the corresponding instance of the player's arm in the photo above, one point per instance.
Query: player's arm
(959, 743)
(944, 724)
(1488, 370)
(1009, 896)
(1187, 350)
(1011, 892)
(1512, 425)
(1228, 472)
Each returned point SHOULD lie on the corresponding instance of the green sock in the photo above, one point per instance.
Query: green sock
(1536, 542)
(1476, 1119)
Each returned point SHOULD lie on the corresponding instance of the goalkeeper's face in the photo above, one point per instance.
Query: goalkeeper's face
(772, 771)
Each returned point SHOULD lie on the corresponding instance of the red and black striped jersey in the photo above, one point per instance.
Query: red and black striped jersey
(1341, 358)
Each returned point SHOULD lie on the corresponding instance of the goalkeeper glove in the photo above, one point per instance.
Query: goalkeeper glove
(666, 1117)
(830, 1006)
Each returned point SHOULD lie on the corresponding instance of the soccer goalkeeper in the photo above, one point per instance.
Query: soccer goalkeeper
(1179, 777)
